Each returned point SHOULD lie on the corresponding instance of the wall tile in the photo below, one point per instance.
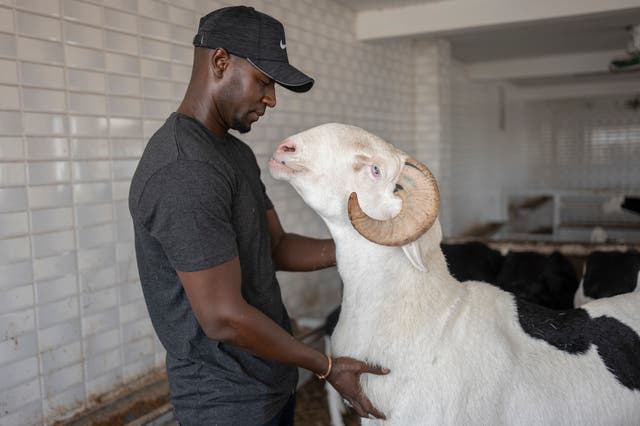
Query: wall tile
(15, 274)
(82, 35)
(120, 42)
(103, 384)
(155, 49)
(96, 236)
(101, 277)
(180, 72)
(136, 330)
(125, 127)
(138, 366)
(122, 63)
(82, 12)
(100, 323)
(14, 249)
(44, 124)
(19, 396)
(63, 379)
(51, 244)
(72, 398)
(17, 298)
(153, 28)
(120, 20)
(13, 199)
(12, 174)
(153, 9)
(40, 148)
(157, 88)
(13, 224)
(138, 349)
(125, 107)
(47, 220)
(123, 148)
(49, 196)
(38, 26)
(6, 20)
(91, 170)
(15, 324)
(92, 192)
(153, 68)
(40, 51)
(159, 109)
(88, 126)
(59, 335)
(59, 288)
(41, 75)
(8, 71)
(85, 58)
(88, 81)
(121, 189)
(103, 363)
(123, 85)
(99, 301)
(8, 45)
(17, 348)
(54, 267)
(10, 123)
(49, 7)
(126, 5)
(63, 356)
(124, 169)
(58, 311)
(94, 214)
(9, 98)
(48, 172)
(43, 100)
(87, 104)
(183, 17)
(19, 372)
(89, 148)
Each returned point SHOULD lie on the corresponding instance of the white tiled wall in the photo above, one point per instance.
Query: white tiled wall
(83, 84)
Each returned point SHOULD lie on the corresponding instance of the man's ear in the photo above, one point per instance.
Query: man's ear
(220, 60)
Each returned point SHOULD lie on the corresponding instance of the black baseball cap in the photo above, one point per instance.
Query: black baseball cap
(255, 36)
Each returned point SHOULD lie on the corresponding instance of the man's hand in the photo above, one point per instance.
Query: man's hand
(345, 378)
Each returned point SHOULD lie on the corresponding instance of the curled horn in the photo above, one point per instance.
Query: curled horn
(418, 190)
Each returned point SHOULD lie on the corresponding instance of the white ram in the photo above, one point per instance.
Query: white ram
(459, 354)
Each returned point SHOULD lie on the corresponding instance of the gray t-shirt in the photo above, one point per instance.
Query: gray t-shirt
(197, 201)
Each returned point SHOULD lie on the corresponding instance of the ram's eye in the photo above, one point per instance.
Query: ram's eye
(375, 171)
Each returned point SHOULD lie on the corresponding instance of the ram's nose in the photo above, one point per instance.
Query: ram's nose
(288, 145)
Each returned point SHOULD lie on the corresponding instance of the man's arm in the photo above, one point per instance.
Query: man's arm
(223, 314)
(293, 252)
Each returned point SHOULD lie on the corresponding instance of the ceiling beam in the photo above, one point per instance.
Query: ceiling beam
(573, 90)
(543, 66)
(449, 16)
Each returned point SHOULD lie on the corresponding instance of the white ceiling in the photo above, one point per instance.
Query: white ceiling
(603, 34)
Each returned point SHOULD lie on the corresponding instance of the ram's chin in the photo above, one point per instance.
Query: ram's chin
(279, 171)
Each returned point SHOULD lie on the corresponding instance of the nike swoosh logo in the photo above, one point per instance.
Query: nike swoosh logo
(283, 45)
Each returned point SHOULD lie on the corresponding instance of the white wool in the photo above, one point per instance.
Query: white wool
(457, 353)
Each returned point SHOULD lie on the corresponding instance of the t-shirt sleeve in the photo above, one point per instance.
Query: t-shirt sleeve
(188, 207)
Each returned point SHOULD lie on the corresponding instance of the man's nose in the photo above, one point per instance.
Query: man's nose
(269, 98)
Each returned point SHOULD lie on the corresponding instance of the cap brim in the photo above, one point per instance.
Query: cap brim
(284, 74)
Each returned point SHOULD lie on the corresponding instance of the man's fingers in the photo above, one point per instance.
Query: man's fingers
(367, 368)
(368, 406)
(356, 406)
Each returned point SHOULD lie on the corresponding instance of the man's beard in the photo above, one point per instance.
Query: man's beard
(230, 93)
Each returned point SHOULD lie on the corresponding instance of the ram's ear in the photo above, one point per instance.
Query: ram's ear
(414, 253)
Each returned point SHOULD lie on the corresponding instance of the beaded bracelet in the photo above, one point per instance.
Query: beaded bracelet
(325, 375)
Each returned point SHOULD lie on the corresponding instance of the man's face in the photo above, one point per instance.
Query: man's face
(247, 95)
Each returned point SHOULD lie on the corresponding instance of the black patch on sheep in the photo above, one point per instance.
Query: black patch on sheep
(550, 281)
(574, 331)
(610, 273)
(472, 261)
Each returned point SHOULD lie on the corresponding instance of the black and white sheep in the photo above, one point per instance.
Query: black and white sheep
(608, 273)
(459, 354)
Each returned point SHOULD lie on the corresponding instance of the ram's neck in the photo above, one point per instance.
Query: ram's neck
(379, 275)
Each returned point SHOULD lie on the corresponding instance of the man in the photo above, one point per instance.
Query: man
(208, 239)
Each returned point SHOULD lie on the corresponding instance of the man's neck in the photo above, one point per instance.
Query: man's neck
(206, 114)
